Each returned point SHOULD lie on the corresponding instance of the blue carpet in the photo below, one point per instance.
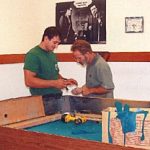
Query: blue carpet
(90, 130)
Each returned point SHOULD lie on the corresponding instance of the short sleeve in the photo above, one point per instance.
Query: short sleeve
(104, 76)
(31, 62)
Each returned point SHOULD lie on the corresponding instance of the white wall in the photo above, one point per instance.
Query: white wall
(12, 81)
(131, 79)
(22, 23)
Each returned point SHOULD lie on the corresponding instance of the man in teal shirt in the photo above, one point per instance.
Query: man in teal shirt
(99, 81)
(41, 70)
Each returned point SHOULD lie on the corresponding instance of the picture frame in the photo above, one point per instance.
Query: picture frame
(134, 24)
(82, 19)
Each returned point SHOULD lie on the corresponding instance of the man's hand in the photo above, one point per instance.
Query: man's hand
(71, 82)
(77, 91)
(86, 90)
(60, 83)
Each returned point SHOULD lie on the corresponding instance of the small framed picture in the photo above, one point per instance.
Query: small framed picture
(134, 24)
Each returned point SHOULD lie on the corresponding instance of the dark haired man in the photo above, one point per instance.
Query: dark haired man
(41, 70)
(99, 81)
(65, 24)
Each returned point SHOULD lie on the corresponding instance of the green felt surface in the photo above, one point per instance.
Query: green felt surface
(90, 130)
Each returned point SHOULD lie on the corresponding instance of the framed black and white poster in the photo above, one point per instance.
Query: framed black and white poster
(82, 19)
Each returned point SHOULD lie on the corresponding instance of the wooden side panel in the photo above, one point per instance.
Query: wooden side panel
(15, 139)
(19, 109)
(34, 121)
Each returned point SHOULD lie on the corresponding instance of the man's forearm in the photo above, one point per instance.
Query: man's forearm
(41, 83)
(93, 90)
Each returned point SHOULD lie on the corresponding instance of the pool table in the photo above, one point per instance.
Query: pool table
(17, 114)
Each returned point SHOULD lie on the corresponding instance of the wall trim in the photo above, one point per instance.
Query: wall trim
(68, 57)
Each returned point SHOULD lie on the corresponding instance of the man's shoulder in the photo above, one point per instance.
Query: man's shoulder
(100, 61)
(33, 50)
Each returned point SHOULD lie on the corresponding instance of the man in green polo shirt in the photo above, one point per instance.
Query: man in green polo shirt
(41, 70)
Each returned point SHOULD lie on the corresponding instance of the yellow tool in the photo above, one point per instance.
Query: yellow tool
(67, 117)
